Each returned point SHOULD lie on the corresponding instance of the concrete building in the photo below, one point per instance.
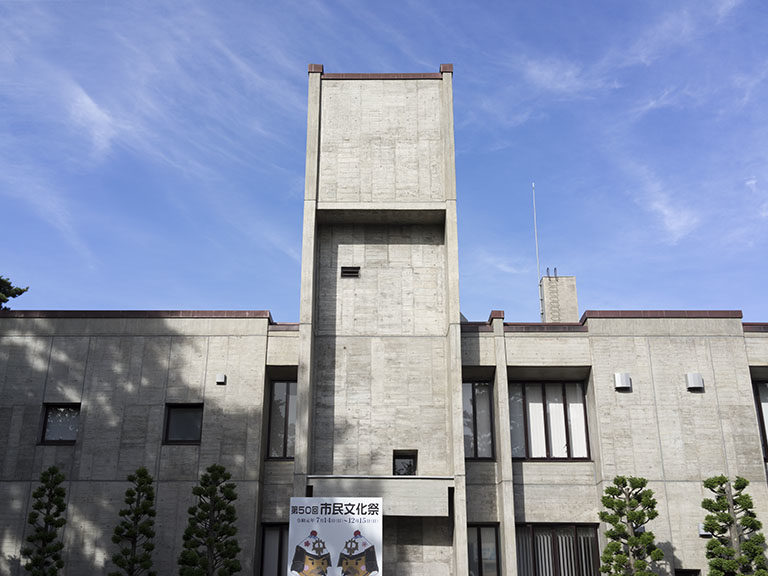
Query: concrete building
(490, 442)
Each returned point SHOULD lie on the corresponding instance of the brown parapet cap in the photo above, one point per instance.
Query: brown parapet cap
(544, 327)
(317, 68)
(720, 314)
(496, 315)
(755, 326)
(385, 76)
(446, 68)
(131, 314)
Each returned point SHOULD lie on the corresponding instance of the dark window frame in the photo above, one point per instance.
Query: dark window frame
(286, 423)
(48, 406)
(477, 526)
(547, 432)
(555, 553)
(761, 417)
(282, 542)
(169, 407)
(474, 456)
(412, 455)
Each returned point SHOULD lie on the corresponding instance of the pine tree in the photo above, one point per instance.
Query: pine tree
(210, 543)
(8, 290)
(631, 549)
(737, 546)
(43, 555)
(135, 533)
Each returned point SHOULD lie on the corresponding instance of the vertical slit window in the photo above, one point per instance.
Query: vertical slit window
(761, 400)
(483, 543)
(282, 420)
(478, 419)
(274, 550)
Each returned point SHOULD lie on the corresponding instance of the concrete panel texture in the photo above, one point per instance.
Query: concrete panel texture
(381, 141)
(401, 287)
(122, 384)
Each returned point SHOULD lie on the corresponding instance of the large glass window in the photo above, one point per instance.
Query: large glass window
(183, 423)
(282, 419)
(274, 549)
(557, 550)
(483, 550)
(761, 399)
(60, 424)
(548, 420)
(478, 419)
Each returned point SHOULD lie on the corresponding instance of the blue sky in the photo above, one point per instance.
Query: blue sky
(152, 155)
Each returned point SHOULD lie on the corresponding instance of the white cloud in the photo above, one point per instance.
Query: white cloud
(86, 114)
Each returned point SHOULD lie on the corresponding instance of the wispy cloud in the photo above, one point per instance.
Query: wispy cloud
(676, 217)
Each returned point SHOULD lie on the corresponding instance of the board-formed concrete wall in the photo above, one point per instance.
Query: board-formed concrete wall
(122, 372)
(381, 141)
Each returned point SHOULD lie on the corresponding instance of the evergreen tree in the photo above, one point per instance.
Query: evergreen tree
(43, 555)
(135, 533)
(631, 549)
(737, 546)
(8, 290)
(210, 545)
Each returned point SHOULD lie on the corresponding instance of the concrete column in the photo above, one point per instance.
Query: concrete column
(505, 493)
(303, 448)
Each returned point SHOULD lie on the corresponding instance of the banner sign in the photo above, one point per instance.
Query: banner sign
(335, 536)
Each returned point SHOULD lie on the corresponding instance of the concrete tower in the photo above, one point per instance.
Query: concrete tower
(379, 373)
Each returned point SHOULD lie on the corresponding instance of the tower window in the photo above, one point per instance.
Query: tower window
(404, 463)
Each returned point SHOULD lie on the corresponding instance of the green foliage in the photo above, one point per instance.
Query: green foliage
(8, 290)
(631, 550)
(737, 547)
(135, 533)
(43, 555)
(210, 543)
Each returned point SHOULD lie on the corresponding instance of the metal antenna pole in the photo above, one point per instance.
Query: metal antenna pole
(536, 233)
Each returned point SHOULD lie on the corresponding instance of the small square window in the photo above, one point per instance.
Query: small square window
(183, 423)
(61, 423)
(404, 463)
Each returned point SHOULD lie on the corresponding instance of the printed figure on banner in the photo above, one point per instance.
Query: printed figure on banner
(358, 558)
(311, 557)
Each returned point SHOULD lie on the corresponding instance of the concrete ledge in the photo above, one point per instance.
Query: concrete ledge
(402, 495)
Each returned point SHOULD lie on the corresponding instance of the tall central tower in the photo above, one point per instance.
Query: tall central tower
(379, 375)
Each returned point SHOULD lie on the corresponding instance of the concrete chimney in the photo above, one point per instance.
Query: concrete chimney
(558, 299)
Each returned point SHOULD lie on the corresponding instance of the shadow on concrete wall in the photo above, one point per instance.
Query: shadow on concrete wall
(123, 376)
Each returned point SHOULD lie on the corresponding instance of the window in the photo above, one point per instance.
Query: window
(478, 420)
(761, 400)
(548, 420)
(274, 549)
(483, 554)
(282, 419)
(557, 550)
(404, 463)
(183, 423)
(60, 423)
